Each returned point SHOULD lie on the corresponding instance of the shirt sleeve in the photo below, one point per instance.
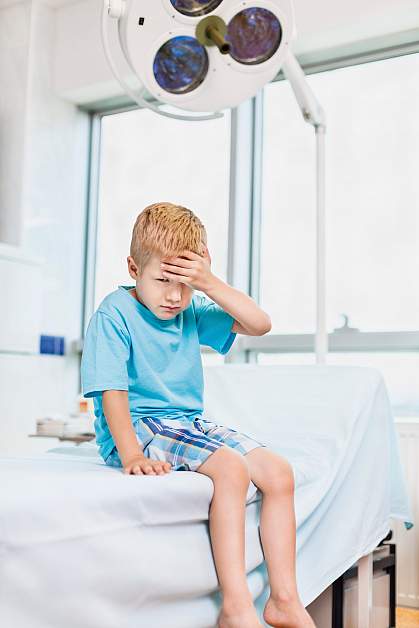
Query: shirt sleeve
(213, 325)
(106, 352)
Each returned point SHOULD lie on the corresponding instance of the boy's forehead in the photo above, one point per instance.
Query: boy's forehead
(155, 260)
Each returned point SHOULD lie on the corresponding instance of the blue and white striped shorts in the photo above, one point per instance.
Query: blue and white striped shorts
(185, 443)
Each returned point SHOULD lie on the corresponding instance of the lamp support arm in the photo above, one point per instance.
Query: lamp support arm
(311, 109)
(314, 114)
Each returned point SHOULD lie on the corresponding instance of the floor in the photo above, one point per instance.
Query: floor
(407, 618)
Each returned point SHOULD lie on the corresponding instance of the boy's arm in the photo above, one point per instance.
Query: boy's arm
(116, 409)
(250, 319)
(195, 270)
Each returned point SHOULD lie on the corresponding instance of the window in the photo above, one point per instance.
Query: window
(372, 215)
(372, 211)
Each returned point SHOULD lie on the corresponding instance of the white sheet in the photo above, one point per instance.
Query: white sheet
(335, 425)
(84, 545)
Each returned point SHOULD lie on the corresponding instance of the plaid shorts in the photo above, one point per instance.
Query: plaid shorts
(185, 443)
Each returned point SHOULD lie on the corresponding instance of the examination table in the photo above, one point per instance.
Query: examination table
(84, 545)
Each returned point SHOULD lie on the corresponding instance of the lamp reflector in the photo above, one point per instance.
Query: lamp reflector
(195, 7)
(254, 35)
(180, 65)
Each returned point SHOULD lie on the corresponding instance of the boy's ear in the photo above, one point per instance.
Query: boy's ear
(132, 267)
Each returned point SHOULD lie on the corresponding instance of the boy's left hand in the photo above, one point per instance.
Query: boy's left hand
(190, 268)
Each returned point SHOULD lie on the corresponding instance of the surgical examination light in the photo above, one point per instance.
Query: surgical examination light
(203, 56)
(200, 55)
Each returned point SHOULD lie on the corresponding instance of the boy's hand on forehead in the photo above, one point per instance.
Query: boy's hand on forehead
(190, 268)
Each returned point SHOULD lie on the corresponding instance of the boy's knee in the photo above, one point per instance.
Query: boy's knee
(278, 476)
(226, 463)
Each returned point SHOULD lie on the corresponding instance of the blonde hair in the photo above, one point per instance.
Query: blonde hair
(166, 229)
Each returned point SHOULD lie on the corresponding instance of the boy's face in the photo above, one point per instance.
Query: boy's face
(164, 297)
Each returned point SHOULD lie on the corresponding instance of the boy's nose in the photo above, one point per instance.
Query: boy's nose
(175, 293)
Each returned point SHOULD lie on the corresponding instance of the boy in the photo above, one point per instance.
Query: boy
(142, 364)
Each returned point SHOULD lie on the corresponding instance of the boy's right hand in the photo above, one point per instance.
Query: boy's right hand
(140, 465)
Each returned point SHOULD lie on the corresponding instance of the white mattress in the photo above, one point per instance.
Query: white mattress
(335, 425)
(85, 545)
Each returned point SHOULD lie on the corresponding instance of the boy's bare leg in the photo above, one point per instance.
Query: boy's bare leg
(274, 476)
(230, 475)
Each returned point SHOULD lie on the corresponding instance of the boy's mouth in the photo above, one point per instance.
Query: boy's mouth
(167, 307)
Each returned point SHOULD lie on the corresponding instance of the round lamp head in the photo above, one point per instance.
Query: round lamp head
(206, 55)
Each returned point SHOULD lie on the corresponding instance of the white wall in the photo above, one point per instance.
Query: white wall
(330, 23)
(14, 37)
(44, 156)
(82, 74)
(54, 182)
(32, 387)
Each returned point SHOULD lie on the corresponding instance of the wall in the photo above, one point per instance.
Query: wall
(14, 37)
(82, 74)
(42, 207)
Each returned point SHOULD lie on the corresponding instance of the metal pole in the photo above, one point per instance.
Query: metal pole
(321, 340)
(313, 114)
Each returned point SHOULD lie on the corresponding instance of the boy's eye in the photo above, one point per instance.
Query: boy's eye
(162, 279)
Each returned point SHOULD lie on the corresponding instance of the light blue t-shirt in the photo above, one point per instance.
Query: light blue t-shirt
(127, 347)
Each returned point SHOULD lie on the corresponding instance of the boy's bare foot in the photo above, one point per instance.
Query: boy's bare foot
(287, 614)
(243, 616)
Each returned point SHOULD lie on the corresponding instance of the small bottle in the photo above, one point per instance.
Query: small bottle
(81, 421)
(90, 413)
(83, 405)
